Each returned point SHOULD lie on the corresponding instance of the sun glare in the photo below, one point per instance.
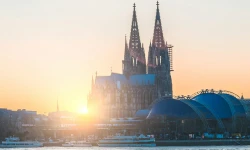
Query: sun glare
(83, 110)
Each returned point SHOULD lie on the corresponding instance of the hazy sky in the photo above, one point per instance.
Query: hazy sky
(51, 48)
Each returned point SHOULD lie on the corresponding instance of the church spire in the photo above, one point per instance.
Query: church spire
(134, 42)
(150, 59)
(126, 50)
(142, 56)
(158, 39)
(136, 62)
(242, 97)
(158, 58)
(126, 62)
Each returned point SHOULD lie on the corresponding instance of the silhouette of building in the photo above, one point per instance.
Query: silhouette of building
(121, 95)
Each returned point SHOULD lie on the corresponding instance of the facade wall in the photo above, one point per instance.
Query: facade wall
(112, 102)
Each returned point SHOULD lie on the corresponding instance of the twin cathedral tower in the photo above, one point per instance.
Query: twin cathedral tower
(141, 83)
(159, 55)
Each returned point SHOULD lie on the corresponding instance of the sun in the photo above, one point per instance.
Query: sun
(83, 110)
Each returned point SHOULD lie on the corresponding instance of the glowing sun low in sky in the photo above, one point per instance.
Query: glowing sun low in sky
(83, 110)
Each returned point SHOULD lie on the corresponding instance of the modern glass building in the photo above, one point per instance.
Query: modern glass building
(205, 111)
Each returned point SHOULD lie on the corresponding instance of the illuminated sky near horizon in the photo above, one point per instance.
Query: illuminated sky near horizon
(50, 49)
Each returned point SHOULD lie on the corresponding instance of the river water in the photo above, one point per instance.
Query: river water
(140, 148)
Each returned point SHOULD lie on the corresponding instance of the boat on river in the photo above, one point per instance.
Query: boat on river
(139, 140)
(14, 142)
(77, 144)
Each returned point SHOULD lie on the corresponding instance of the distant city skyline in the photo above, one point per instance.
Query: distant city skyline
(50, 50)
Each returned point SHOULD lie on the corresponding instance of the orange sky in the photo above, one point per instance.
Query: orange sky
(51, 49)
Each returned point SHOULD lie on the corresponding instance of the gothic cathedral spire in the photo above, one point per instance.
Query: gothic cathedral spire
(126, 52)
(158, 39)
(158, 59)
(134, 42)
(126, 64)
(137, 62)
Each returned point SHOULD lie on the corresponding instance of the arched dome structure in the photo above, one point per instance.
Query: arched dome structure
(215, 103)
(171, 108)
(211, 107)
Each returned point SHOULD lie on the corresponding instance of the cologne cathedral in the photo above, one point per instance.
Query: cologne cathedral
(141, 81)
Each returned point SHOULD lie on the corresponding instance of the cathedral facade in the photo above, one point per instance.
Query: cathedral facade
(121, 95)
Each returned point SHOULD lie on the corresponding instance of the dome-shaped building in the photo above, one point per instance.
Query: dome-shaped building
(204, 111)
(171, 108)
